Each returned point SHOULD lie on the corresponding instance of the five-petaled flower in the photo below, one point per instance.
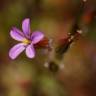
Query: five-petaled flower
(27, 40)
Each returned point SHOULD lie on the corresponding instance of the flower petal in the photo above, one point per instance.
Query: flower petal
(17, 34)
(30, 51)
(16, 50)
(26, 26)
(36, 37)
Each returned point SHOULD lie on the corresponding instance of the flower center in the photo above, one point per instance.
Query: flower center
(26, 41)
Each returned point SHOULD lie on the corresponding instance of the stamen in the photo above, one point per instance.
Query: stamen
(26, 41)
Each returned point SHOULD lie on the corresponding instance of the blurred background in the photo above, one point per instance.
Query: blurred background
(29, 77)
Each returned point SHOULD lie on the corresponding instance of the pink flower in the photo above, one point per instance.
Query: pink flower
(27, 40)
